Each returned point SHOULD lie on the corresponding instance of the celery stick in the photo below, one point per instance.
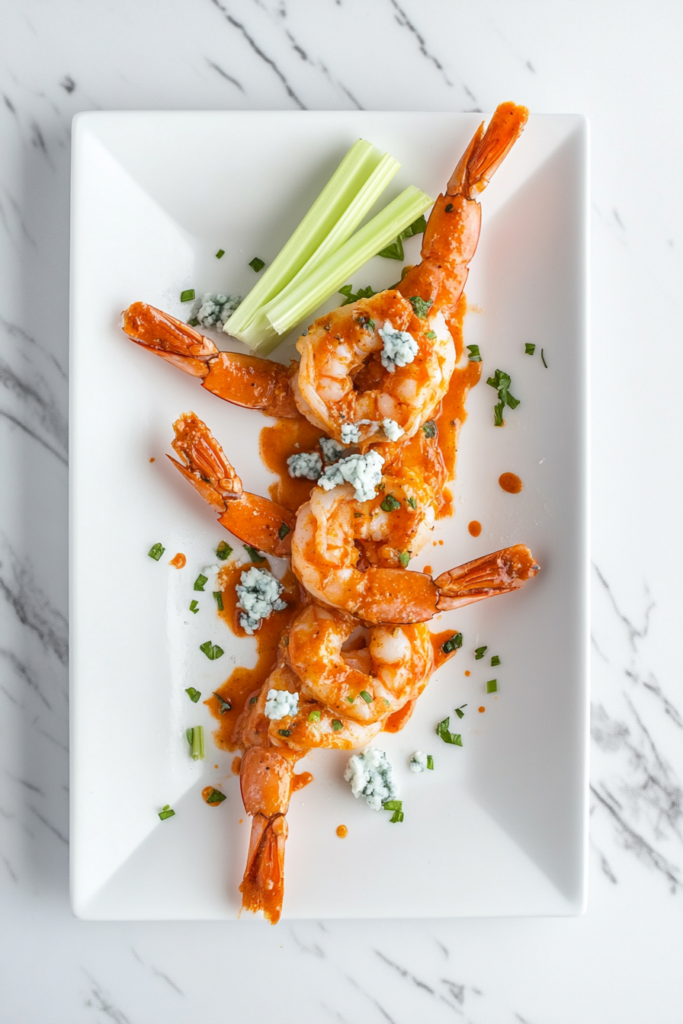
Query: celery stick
(302, 296)
(359, 164)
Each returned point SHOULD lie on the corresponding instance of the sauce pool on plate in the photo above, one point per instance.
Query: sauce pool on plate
(510, 482)
(474, 527)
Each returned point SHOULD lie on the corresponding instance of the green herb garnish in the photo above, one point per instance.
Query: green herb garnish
(187, 295)
(253, 554)
(218, 597)
(453, 644)
(459, 711)
(366, 696)
(443, 731)
(529, 348)
(404, 558)
(200, 581)
(283, 531)
(212, 651)
(193, 694)
(314, 716)
(479, 653)
(495, 660)
(543, 358)
(396, 816)
(223, 704)
(223, 550)
(350, 699)
(429, 428)
(194, 607)
(394, 251)
(257, 264)
(474, 353)
(498, 420)
(215, 796)
(430, 334)
(390, 504)
(220, 254)
(336, 724)
(362, 293)
(156, 551)
(194, 322)
(412, 502)
(195, 737)
(284, 732)
(392, 805)
(420, 306)
(166, 812)
(492, 686)
(501, 381)
(430, 762)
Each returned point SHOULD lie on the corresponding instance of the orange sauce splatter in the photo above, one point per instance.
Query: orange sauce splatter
(438, 640)
(152, 459)
(396, 722)
(482, 709)
(243, 681)
(428, 570)
(342, 831)
(206, 793)
(467, 672)
(474, 527)
(236, 765)
(301, 780)
(178, 561)
(277, 443)
(510, 482)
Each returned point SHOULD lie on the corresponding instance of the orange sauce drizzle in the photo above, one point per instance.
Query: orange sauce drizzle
(342, 831)
(236, 765)
(474, 527)
(178, 561)
(152, 459)
(481, 709)
(277, 443)
(428, 570)
(206, 793)
(438, 640)
(510, 482)
(301, 780)
(467, 672)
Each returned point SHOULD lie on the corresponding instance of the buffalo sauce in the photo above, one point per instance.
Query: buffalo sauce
(276, 444)
(438, 640)
(206, 793)
(301, 780)
(178, 561)
(342, 831)
(510, 482)
(474, 527)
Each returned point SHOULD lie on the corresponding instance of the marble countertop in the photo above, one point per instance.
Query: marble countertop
(621, 67)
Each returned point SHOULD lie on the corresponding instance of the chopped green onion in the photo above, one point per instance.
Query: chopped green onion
(444, 733)
(223, 704)
(194, 606)
(253, 554)
(215, 796)
(223, 550)
(350, 296)
(187, 295)
(421, 306)
(453, 644)
(283, 531)
(495, 660)
(284, 732)
(492, 686)
(430, 762)
(479, 653)
(390, 504)
(543, 358)
(336, 724)
(396, 816)
(194, 322)
(529, 349)
(156, 551)
(212, 651)
(366, 696)
(218, 596)
(195, 737)
(193, 694)
(220, 254)
(200, 581)
(474, 353)
(430, 334)
(350, 699)
(459, 711)
(404, 558)
(314, 716)
(429, 428)
(166, 812)
(257, 264)
(411, 501)
(392, 805)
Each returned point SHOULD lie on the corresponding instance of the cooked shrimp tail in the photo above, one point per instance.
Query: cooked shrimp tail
(487, 150)
(257, 521)
(240, 379)
(266, 785)
(498, 573)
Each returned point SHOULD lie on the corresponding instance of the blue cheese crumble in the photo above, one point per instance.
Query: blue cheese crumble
(363, 471)
(305, 464)
(216, 309)
(371, 776)
(418, 762)
(280, 704)
(392, 429)
(331, 449)
(399, 347)
(259, 596)
(350, 432)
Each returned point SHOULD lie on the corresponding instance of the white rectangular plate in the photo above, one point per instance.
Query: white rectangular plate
(499, 827)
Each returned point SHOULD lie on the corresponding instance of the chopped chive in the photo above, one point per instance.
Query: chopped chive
(449, 207)
(492, 686)
(220, 254)
(430, 334)
(336, 724)
(396, 816)
(529, 348)
(195, 737)
(194, 606)
(479, 653)
(156, 551)
(430, 762)
(474, 353)
(223, 704)
(194, 322)
(543, 358)
(212, 651)
(390, 504)
(187, 295)
(366, 697)
(453, 644)
(444, 733)
(218, 596)
(193, 694)
(420, 306)
(495, 660)
(429, 428)
(283, 531)
(411, 501)
(358, 515)
(253, 554)
(313, 716)
(350, 699)
(459, 712)
(166, 812)
(284, 732)
(223, 550)
(200, 581)
(215, 796)
(392, 805)
(252, 700)
(404, 559)
(257, 264)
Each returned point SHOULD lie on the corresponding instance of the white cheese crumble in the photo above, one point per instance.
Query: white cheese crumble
(371, 776)
(392, 429)
(259, 596)
(305, 464)
(418, 762)
(363, 471)
(280, 703)
(331, 449)
(399, 347)
(216, 309)
(350, 431)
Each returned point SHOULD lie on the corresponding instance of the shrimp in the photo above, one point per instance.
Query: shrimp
(331, 386)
